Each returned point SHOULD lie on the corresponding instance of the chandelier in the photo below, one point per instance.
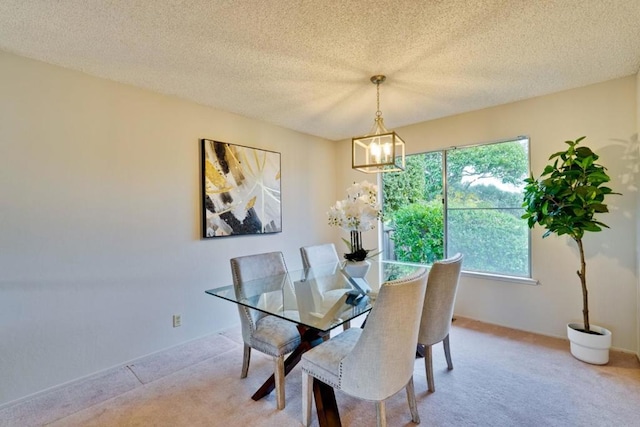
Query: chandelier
(380, 150)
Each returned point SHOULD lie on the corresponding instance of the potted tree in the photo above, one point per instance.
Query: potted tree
(565, 200)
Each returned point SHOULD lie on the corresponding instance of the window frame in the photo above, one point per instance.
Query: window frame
(528, 280)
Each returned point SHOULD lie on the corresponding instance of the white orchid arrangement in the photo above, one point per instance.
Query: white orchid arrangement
(359, 212)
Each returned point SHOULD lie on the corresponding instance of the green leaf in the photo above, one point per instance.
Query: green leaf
(586, 152)
(599, 208)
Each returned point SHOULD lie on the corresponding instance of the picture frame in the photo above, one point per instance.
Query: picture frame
(241, 190)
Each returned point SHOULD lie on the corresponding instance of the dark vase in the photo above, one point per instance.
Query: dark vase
(357, 252)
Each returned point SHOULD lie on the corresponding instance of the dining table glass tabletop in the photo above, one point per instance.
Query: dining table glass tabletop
(321, 297)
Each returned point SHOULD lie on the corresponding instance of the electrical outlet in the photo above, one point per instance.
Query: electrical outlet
(177, 320)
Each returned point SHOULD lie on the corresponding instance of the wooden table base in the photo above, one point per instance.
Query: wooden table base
(327, 408)
(309, 338)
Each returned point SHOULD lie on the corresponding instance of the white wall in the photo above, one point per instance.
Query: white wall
(100, 221)
(607, 114)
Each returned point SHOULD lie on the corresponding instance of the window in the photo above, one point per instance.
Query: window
(463, 199)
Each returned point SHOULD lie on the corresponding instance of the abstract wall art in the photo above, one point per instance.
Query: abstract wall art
(240, 190)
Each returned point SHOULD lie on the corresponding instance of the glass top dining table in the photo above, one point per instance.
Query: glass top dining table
(321, 297)
(317, 300)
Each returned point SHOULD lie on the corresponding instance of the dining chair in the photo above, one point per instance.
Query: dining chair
(376, 362)
(319, 254)
(268, 334)
(315, 255)
(437, 311)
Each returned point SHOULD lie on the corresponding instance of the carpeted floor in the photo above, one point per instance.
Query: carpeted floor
(502, 377)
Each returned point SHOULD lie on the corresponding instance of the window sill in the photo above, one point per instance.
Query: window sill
(501, 278)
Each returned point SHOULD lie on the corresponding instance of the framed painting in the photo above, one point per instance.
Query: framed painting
(240, 190)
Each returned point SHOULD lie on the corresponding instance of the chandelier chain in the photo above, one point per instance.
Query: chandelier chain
(378, 112)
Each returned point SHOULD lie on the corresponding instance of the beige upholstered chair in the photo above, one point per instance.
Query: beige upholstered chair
(268, 334)
(376, 362)
(326, 254)
(438, 310)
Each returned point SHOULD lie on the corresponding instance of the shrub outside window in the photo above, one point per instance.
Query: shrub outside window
(464, 199)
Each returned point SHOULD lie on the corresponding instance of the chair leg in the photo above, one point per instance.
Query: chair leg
(447, 352)
(307, 393)
(428, 366)
(381, 413)
(279, 377)
(411, 397)
(245, 361)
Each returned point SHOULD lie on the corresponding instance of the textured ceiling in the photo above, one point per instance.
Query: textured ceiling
(305, 65)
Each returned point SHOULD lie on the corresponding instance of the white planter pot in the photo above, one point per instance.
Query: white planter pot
(590, 348)
(357, 268)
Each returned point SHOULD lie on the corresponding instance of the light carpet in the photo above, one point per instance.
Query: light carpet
(501, 377)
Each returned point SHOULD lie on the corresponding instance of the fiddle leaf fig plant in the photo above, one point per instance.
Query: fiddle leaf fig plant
(566, 198)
